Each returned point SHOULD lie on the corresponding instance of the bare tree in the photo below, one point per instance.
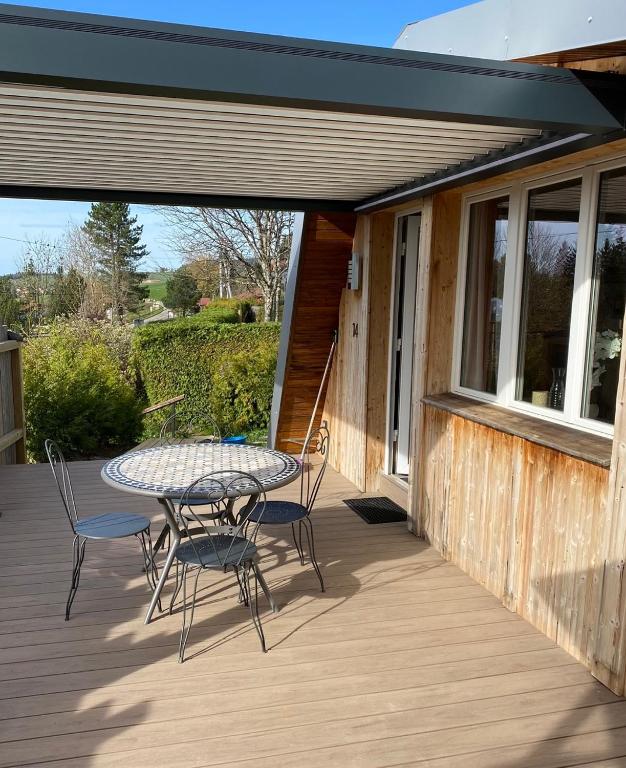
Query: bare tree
(39, 264)
(80, 254)
(252, 246)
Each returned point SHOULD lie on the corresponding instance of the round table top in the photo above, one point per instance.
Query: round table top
(166, 471)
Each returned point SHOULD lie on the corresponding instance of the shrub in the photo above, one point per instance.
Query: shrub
(76, 393)
(237, 310)
(226, 369)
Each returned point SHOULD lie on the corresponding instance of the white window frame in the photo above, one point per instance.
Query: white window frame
(518, 193)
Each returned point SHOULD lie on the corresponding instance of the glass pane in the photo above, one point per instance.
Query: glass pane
(604, 344)
(484, 288)
(549, 264)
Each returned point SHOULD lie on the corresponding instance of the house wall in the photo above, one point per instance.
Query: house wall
(325, 249)
(529, 522)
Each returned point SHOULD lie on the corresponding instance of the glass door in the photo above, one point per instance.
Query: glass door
(407, 241)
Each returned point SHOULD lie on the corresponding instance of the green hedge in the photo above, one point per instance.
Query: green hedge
(224, 369)
(77, 392)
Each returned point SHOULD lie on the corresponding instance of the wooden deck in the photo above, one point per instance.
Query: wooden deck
(405, 661)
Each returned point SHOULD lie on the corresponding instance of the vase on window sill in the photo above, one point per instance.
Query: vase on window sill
(556, 395)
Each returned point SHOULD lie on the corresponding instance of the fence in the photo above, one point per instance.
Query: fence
(12, 429)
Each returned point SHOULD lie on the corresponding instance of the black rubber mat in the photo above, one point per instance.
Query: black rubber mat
(377, 510)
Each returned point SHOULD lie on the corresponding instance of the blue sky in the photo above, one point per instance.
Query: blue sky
(370, 22)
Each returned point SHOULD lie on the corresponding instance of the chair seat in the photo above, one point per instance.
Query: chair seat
(113, 525)
(213, 551)
(191, 502)
(278, 513)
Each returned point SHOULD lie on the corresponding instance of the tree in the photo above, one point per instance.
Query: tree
(251, 247)
(67, 294)
(9, 303)
(117, 238)
(181, 292)
(40, 261)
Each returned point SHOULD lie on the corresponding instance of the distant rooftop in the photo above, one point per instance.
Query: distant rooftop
(520, 29)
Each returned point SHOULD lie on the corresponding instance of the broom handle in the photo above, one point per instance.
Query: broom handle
(319, 394)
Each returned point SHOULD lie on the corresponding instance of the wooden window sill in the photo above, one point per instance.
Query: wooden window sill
(573, 442)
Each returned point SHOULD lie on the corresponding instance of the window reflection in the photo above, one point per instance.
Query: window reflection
(549, 265)
(604, 340)
(484, 289)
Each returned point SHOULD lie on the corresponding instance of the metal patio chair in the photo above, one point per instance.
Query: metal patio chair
(197, 428)
(111, 525)
(314, 458)
(222, 547)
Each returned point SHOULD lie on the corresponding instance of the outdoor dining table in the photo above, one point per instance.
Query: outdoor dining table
(165, 472)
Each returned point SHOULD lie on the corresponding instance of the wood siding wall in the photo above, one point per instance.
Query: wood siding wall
(523, 520)
(324, 254)
(356, 401)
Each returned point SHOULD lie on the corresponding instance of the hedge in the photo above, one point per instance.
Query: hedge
(77, 393)
(226, 370)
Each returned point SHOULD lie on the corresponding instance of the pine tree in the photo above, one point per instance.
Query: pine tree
(182, 293)
(117, 237)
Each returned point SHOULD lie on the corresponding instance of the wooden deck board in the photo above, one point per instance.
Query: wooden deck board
(404, 661)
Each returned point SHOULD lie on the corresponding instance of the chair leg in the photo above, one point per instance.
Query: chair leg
(299, 545)
(177, 587)
(243, 596)
(297, 540)
(152, 575)
(254, 602)
(308, 527)
(187, 626)
(78, 555)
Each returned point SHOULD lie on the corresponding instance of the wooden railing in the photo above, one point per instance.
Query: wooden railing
(12, 424)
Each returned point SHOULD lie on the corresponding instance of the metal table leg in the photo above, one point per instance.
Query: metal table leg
(174, 542)
(265, 588)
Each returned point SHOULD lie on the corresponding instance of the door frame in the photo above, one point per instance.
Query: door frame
(392, 331)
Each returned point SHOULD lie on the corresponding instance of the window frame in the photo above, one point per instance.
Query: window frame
(518, 194)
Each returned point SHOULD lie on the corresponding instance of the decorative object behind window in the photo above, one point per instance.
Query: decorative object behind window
(484, 291)
(604, 343)
(548, 288)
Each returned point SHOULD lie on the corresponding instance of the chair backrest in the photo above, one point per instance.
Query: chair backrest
(198, 427)
(314, 459)
(223, 489)
(62, 478)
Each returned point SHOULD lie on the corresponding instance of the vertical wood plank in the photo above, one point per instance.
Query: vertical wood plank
(379, 318)
(19, 420)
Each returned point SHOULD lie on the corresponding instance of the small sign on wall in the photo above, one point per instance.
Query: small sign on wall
(354, 272)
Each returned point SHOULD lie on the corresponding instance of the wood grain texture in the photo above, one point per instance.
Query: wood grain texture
(345, 408)
(595, 449)
(12, 440)
(379, 319)
(325, 251)
(404, 660)
(523, 520)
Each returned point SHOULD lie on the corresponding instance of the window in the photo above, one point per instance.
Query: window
(549, 265)
(604, 341)
(541, 296)
(484, 291)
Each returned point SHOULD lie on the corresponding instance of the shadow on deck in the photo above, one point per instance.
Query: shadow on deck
(403, 661)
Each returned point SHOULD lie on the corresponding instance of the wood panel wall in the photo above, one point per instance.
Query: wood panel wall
(325, 250)
(345, 405)
(523, 520)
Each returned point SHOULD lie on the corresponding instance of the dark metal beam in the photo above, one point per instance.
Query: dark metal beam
(173, 198)
(143, 57)
(491, 166)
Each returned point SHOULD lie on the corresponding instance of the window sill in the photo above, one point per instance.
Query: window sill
(573, 442)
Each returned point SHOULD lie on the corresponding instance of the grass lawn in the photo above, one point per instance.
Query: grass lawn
(156, 285)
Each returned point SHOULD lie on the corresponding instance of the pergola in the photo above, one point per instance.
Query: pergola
(96, 107)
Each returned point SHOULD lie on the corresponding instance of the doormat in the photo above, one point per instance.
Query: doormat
(377, 510)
